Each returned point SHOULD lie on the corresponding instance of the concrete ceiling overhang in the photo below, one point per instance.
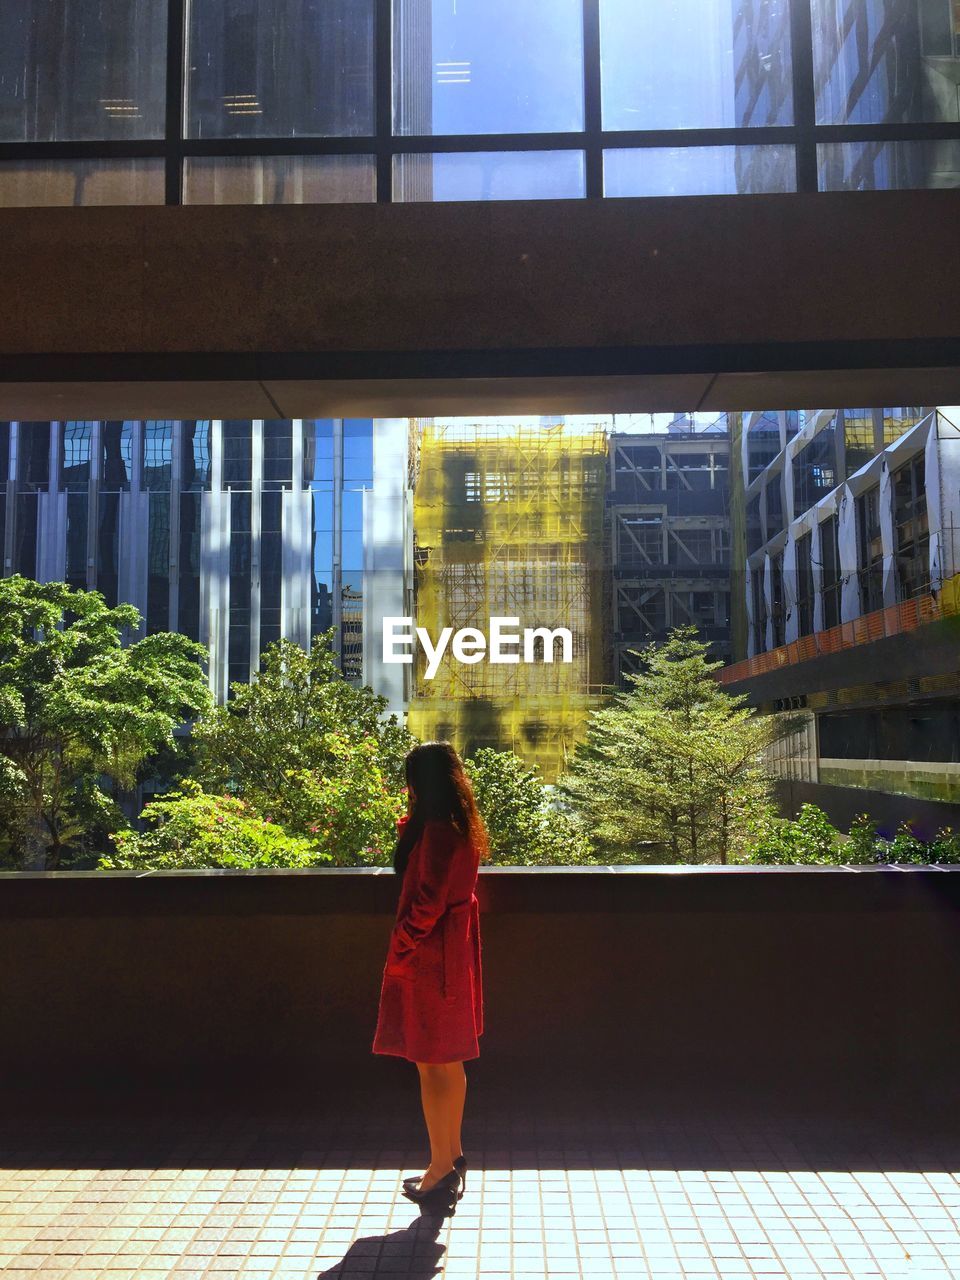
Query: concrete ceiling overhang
(712, 303)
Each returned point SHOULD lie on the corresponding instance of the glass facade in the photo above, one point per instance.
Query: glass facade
(198, 524)
(321, 101)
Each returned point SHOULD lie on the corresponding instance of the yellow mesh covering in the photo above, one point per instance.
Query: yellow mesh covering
(509, 521)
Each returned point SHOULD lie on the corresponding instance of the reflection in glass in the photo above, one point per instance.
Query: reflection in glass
(279, 180)
(698, 171)
(888, 166)
(195, 456)
(116, 463)
(75, 70)
(280, 68)
(158, 454)
(489, 175)
(695, 64)
(886, 61)
(76, 440)
(487, 66)
(32, 183)
(318, 452)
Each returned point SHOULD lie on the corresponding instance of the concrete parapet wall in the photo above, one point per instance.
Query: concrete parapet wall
(644, 971)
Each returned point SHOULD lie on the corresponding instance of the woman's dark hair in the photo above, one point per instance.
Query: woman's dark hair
(441, 793)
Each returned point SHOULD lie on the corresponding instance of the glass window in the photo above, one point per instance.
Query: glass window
(158, 455)
(75, 70)
(75, 449)
(116, 455)
(280, 68)
(33, 455)
(487, 66)
(279, 180)
(32, 183)
(698, 171)
(158, 564)
(195, 458)
(358, 451)
(805, 585)
(277, 454)
(888, 166)
(237, 453)
(695, 64)
(830, 579)
(78, 505)
(869, 550)
(489, 175)
(318, 452)
(886, 61)
(271, 564)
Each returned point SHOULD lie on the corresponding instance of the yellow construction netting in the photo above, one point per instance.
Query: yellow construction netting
(509, 521)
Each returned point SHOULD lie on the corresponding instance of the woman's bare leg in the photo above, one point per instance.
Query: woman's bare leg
(441, 1093)
(460, 1093)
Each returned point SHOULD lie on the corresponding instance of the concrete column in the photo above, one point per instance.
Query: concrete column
(215, 569)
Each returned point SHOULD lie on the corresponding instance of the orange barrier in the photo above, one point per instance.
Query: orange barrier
(891, 621)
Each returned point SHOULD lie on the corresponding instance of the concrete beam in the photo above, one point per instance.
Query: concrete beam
(586, 306)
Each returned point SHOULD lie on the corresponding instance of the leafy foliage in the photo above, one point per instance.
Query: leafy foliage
(192, 829)
(291, 717)
(299, 768)
(76, 706)
(524, 827)
(671, 770)
(809, 837)
(347, 812)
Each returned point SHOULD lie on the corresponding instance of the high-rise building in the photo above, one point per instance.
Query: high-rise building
(233, 532)
(851, 595)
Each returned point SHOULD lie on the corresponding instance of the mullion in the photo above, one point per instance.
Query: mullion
(592, 108)
(384, 100)
(175, 104)
(804, 96)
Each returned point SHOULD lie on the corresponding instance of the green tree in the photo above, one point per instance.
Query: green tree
(78, 708)
(672, 770)
(524, 825)
(191, 829)
(291, 717)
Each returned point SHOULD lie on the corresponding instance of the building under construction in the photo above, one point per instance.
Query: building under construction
(668, 506)
(509, 521)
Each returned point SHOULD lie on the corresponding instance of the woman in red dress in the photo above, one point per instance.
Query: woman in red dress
(431, 998)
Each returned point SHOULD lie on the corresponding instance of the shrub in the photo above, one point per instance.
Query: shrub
(194, 830)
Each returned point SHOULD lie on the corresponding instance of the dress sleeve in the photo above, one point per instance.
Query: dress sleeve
(430, 899)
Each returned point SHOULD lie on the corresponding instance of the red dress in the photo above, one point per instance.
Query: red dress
(431, 998)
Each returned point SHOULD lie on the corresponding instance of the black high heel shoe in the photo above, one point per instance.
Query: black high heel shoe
(460, 1164)
(441, 1197)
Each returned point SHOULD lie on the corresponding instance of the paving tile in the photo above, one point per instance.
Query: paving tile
(574, 1183)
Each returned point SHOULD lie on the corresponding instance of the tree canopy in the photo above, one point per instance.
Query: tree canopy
(78, 708)
(671, 770)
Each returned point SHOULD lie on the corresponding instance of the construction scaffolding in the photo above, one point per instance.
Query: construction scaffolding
(509, 521)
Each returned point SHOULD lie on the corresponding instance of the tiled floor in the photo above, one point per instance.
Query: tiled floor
(572, 1180)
